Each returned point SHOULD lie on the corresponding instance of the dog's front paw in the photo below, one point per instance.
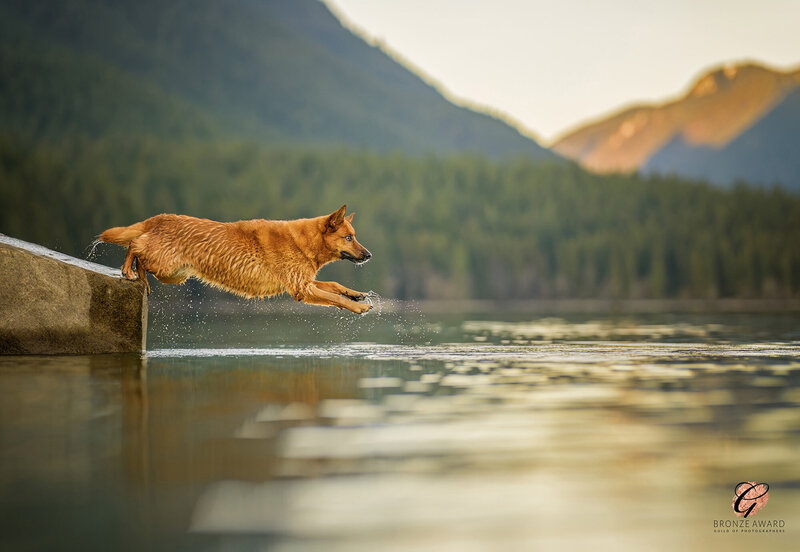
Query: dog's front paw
(362, 308)
(356, 296)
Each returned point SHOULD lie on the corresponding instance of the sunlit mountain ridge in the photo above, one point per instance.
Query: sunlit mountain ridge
(718, 112)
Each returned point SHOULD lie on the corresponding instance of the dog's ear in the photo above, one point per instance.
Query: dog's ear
(349, 218)
(336, 218)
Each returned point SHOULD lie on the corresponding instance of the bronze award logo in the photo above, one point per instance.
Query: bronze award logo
(749, 498)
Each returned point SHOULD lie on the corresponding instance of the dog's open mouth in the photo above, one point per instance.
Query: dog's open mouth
(353, 259)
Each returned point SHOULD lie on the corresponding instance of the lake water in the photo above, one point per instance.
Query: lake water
(278, 427)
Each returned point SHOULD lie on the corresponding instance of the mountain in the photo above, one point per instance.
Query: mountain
(272, 71)
(766, 153)
(719, 109)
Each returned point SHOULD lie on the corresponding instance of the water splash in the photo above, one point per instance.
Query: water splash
(90, 253)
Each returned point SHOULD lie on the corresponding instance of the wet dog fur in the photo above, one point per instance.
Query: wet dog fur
(251, 258)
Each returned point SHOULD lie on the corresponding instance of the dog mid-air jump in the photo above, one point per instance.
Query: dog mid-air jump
(251, 258)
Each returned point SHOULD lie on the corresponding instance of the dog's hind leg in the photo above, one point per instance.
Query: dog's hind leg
(127, 266)
(142, 274)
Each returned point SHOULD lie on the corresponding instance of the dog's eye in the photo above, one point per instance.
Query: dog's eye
(349, 237)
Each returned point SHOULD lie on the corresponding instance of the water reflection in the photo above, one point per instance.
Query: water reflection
(496, 434)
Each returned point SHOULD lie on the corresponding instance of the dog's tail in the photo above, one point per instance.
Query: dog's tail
(122, 235)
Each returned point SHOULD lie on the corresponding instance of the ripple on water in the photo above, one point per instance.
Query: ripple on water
(565, 352)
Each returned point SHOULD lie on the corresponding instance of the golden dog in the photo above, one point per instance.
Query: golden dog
(251, 258)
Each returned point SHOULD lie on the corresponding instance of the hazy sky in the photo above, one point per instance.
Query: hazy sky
(553, 64)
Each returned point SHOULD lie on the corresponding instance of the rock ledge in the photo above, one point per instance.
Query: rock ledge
(51, 303)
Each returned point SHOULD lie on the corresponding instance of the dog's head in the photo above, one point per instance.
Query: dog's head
(340, 237)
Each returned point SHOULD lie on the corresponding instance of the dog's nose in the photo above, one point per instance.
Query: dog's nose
(367, 255)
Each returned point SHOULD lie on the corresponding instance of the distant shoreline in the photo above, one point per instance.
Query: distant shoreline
(524, 306)
(629, 306)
